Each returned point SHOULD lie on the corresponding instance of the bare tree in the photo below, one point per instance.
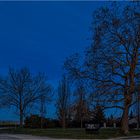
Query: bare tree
(80, 105)
(44, 99)
(63, 101)
(20, 89)
(112, 63)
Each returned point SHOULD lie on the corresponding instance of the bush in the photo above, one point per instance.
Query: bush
(34, 121)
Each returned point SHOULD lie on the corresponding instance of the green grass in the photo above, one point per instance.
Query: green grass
(69, 133)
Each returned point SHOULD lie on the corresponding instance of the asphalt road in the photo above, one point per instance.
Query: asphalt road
(29, 137)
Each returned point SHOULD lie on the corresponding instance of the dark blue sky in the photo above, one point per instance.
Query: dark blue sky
(41, 35)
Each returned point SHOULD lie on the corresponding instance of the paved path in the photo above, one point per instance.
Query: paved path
(128, 138)
(29, 137)
(22, 137)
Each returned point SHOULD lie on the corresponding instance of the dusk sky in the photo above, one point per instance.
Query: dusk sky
(40, 35)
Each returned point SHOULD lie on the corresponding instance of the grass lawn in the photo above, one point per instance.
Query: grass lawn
(69, 133)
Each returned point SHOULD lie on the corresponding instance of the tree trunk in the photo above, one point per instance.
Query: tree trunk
(125, 120)
(81, 123)
(64, 123)
(21, 113)
(21, 118)
(63, 120)
(41, 122)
